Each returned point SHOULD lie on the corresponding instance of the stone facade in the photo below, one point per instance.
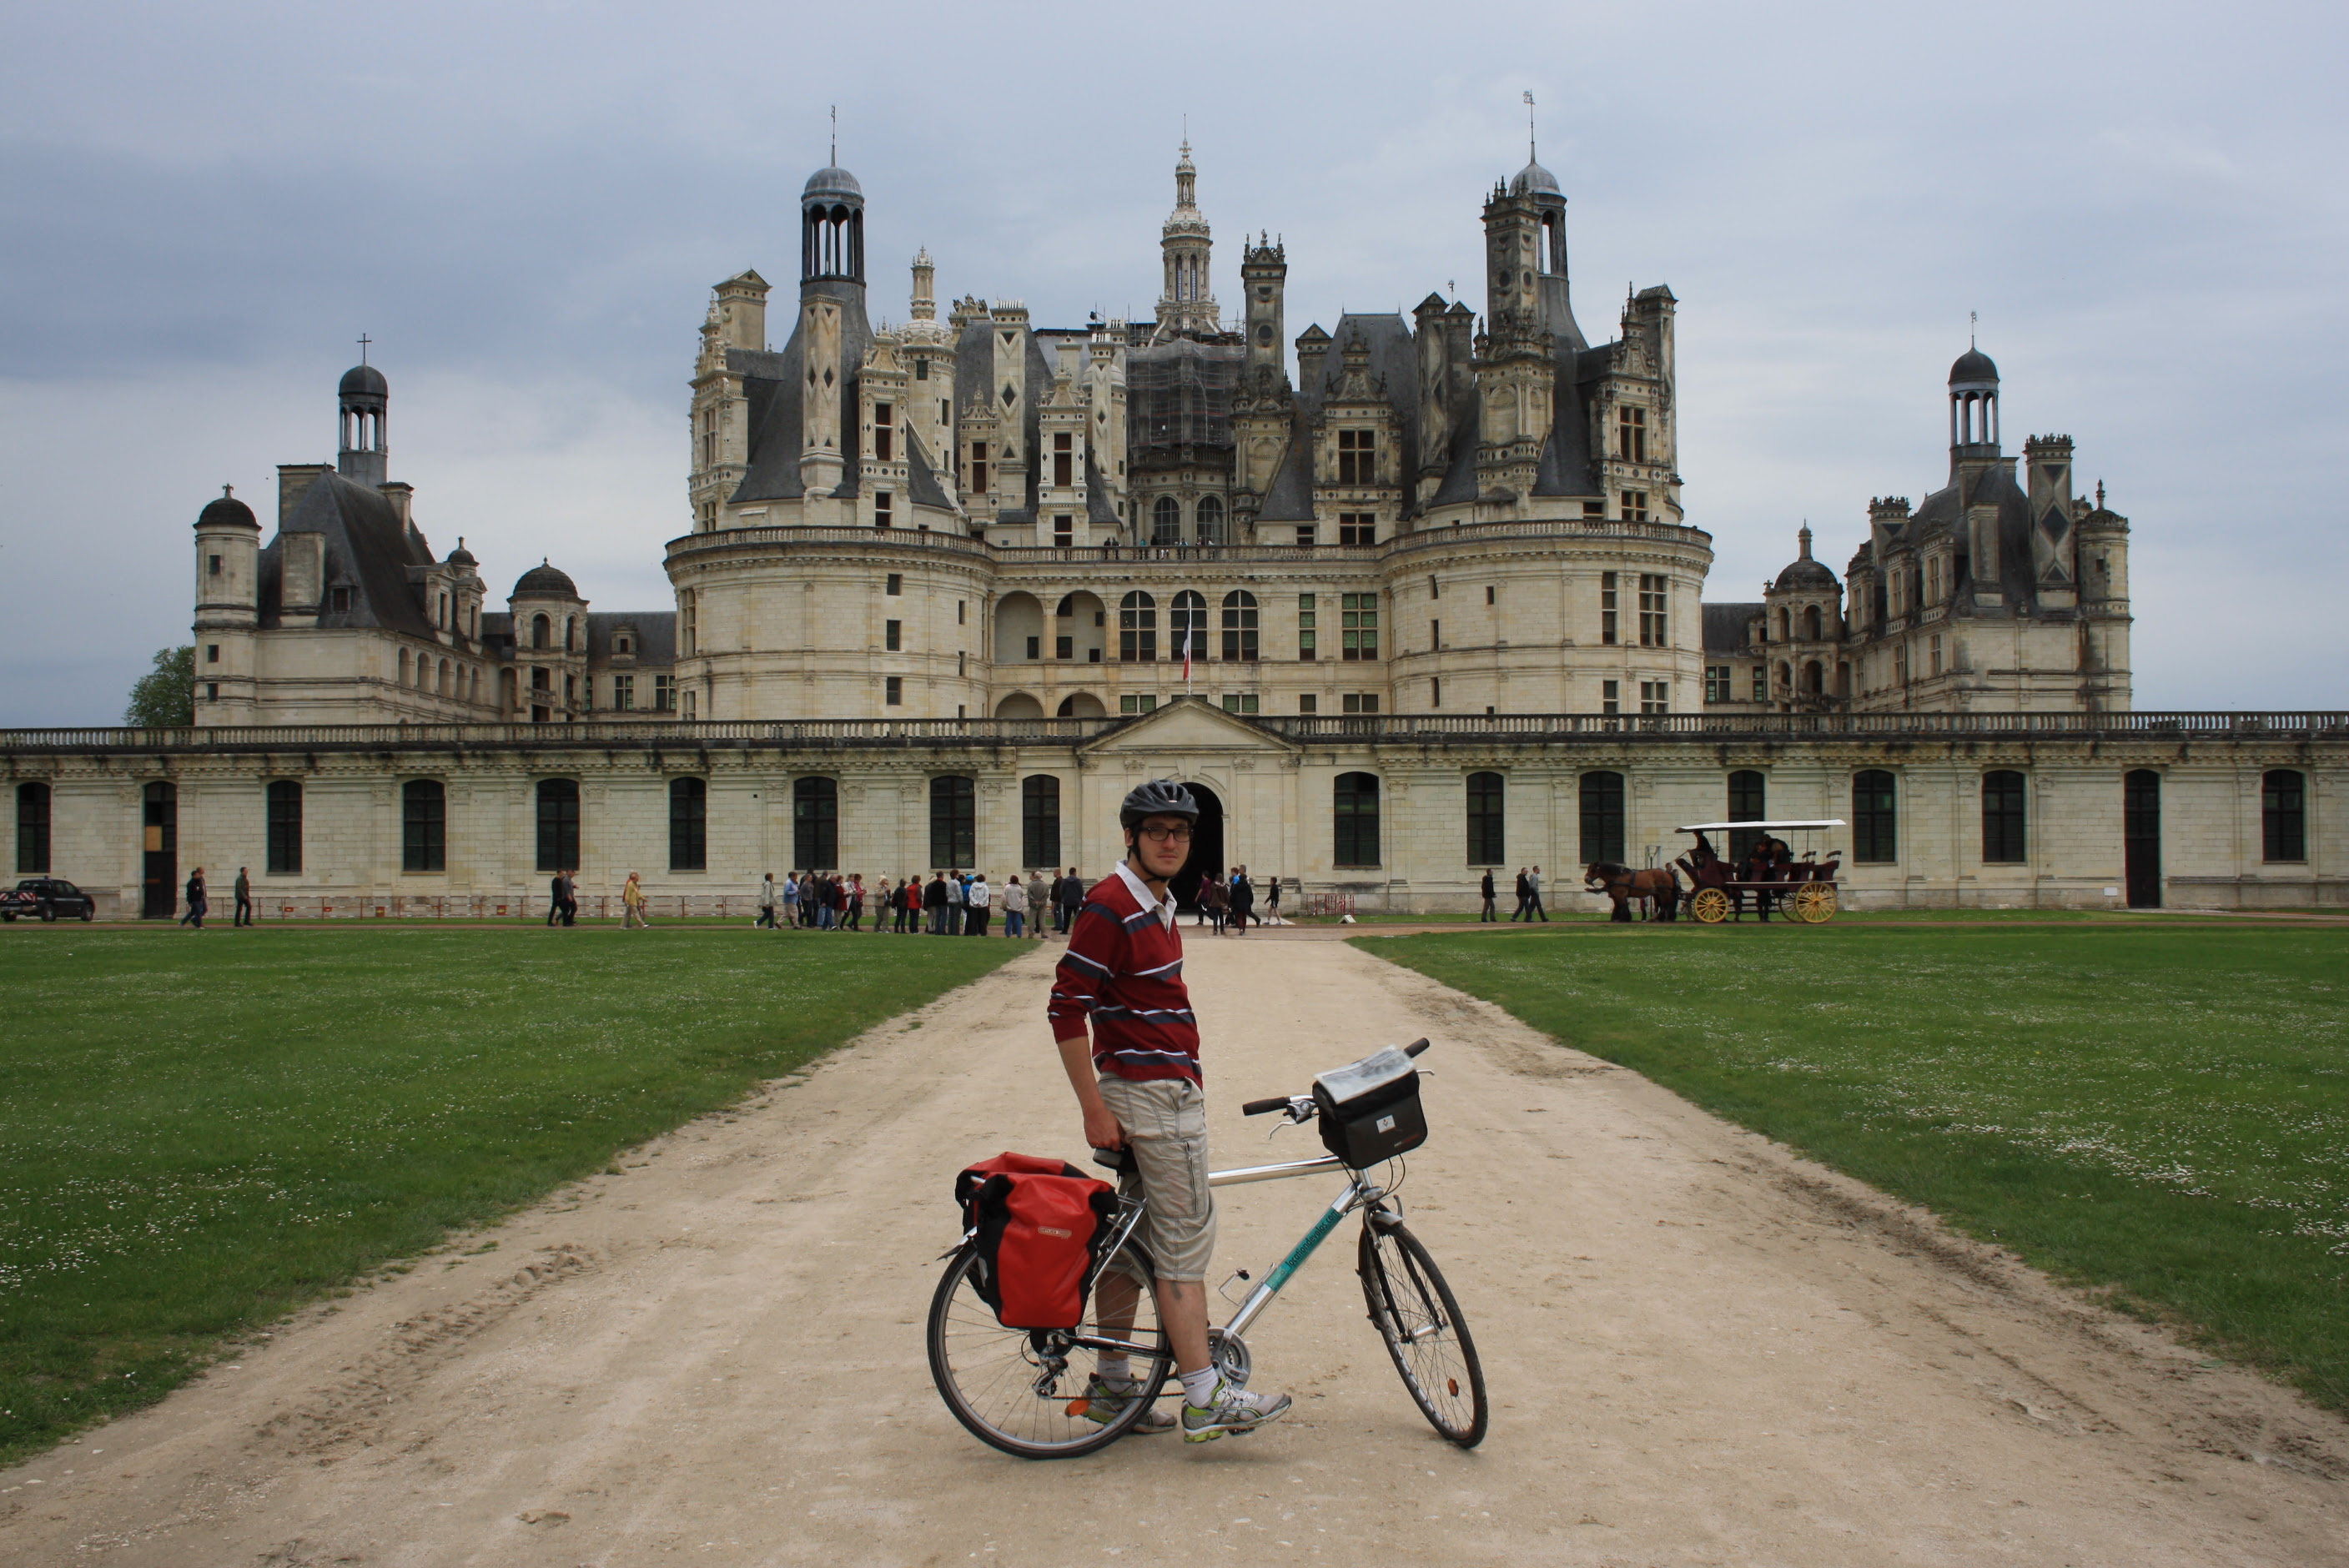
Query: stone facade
(450, 819)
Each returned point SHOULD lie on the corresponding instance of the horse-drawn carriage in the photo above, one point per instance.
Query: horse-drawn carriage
(1769, 874)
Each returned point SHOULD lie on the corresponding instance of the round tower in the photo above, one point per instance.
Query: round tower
(228, 610)
(1187, 303)
(363, 397)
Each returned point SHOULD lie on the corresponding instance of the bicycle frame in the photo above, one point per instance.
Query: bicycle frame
(1359, 1194)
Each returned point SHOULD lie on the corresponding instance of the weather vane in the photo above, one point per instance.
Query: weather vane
(1973, 325)
(835, 135)
(1529, 127)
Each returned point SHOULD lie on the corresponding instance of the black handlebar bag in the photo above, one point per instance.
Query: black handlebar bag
(1370, 1110)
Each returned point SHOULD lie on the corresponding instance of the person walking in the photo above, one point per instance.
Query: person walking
(1243, 902)
(198, 900)
(856, 902)
(936, 900)
(1015, 907)
(881, 906)
(1532, 896)
(1072, 898)
(767, 896)
(1137, 1084)
(788, 898)
(1491, 911)
(1272, 900)
(632, 904)
(555, 900)
(980, 897)
(1518, 914)
(243, 899)
(1214, 898)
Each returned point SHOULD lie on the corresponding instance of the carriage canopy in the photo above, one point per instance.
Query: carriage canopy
(1768, 827)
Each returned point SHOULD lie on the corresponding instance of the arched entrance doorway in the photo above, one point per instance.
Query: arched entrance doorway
(1207, 847)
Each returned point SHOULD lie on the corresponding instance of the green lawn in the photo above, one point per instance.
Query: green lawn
(200, 1132)
(2161, 1115)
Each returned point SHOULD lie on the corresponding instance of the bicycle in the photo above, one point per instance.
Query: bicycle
(1022, 1390)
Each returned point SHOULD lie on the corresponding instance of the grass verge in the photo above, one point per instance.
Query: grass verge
(2160, 1115)
(202, 1132)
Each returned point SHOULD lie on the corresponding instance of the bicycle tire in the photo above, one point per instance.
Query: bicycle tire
(1419, 1319)
(986, 1374)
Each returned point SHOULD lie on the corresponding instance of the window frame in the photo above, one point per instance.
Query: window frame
(36, 811)
(1876, 817)
(1040, 820)
(282, 855)
(815, 822)
(424, 826)
(688, 824)
(2006, 818)
(1601, 796)
(2284, 816)
(1137, 628)
(1242, 626)
(954, 822)
(1487, 818)
(560, 829)
(1354, 820)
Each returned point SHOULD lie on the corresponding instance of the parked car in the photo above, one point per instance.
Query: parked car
(50, 898)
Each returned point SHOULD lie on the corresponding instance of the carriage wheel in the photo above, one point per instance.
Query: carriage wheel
(1815, 903)
(1709, 904)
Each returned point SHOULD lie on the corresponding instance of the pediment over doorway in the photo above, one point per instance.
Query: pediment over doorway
(1189, 724)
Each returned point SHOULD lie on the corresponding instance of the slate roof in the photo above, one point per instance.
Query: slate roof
(656, 634)
(368, 550)
(1724, 627)
(771, 382)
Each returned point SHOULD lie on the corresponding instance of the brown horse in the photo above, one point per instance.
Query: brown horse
(1659, 892)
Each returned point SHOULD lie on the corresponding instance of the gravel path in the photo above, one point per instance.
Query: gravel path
(1701, 1350)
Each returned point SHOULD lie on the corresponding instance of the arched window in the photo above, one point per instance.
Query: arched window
(2283, 815)
(1355, 802)
(32, 829)
(815, 823)
(954, 824)
(1211, 520)
(688, 824)
(2003, 838)
(569, 634)
(558, 824)
(423, 826)
(1239, 626)
(283, 845)
(1602, 818)
(448, 674)
(1811, 623)
(1748, 797)
(1488, 840)
(1039, 821)
(403, 667)
(1137, 627)
(1786, 676)
(541, 631)
(1784, 635)
(1166, 521)
(509, 690)
(1814, 677)
(1186, 627)
(1874, 840)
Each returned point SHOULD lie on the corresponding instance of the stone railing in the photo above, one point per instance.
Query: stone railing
(821, 733)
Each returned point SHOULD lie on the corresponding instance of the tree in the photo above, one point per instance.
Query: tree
(165, 696)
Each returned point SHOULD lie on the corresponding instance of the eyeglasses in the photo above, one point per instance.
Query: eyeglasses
(1167, 835)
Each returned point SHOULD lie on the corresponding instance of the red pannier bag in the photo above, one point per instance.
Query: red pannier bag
(1038, 1221)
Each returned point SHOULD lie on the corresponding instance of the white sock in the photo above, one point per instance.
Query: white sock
(1114, 1370)
(1199, 1386)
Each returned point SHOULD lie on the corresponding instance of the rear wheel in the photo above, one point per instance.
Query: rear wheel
(1709, 905)
(1024, 1390)
(1424, 1333)
(1815, 903)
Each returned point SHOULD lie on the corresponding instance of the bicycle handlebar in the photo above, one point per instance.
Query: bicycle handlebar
(1290, 1103)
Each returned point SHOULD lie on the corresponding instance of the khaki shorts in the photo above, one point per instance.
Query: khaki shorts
(1165, 1122)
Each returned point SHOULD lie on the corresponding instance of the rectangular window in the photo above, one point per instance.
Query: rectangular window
(1039, 821)
(1487, 839)
(1304, 626)
(689, 707)
(1436, 691)
(979, 466)
(215, 565)
(1899, 668)
(212, 652)
(1434, 589)
(896, 584)
(1635, 506)
(1240, 702)
(665, 694)
(892, 635)
(1488, 593)
(954, 822)
(2003, 840)
(688, 824)
(1762, 679)
(921, 369)
(884, 421)
(212, 691)
(1358, 528)
(1309, 703)
(1610, 696)
(1435, 636)
(958, 611)
(1358, 457)
(893, 691)
(338, 601)
(1142, 701)
(2283, 815)
(1359, 702)
(1716, 684)
(624, 693)
(1602, 818)
(884, 512)
(32, 829)
(1872, 821)
(1655, 619)
(1655, 696)
(1035, 647)
(284, 846)
(1305, 536)
(1064, 462)
(962, 662)
(1358, 630)
(423, 826)
(1607, 606)
(1064, 647)
(1064, 529)
(1933, 651)
(1632, 435)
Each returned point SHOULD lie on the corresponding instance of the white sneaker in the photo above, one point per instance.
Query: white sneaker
(1230, 1410)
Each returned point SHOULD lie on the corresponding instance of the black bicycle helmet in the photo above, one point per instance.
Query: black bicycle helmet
(1159, 797)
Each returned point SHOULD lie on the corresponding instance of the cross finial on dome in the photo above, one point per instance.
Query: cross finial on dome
(363, 341)
(227, 491)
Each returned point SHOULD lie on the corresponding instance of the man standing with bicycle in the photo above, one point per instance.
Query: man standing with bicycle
(1137, 1083)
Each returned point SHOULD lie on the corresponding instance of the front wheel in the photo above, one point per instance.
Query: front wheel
(1027, 1391)
(1415, 1314)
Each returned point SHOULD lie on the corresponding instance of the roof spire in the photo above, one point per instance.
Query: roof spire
(1804, 539)
(835, 136)
(1973, 325)
(1531, 157)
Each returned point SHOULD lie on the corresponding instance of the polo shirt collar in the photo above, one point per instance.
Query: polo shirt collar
(1141, 896)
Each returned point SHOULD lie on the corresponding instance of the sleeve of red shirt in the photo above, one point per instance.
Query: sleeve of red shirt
(1096, 950)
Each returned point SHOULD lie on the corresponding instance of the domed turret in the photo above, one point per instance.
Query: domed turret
(1534, 177)
(364, 381)
(1804, 575)
(461, 556)
(224, 510)
(364, 397)
(833, 182)
(1973, 401)
(544, 582)
(1973, 369)
(831, 226)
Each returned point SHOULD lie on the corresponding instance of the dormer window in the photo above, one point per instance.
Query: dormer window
(338, 601)
(1631, 434)
(623, 644)
(884, 449)
(1358, 457)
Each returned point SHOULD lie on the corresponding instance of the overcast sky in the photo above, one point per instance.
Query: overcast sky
(202, 207)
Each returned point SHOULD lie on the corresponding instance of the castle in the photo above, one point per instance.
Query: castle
(981, 516)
